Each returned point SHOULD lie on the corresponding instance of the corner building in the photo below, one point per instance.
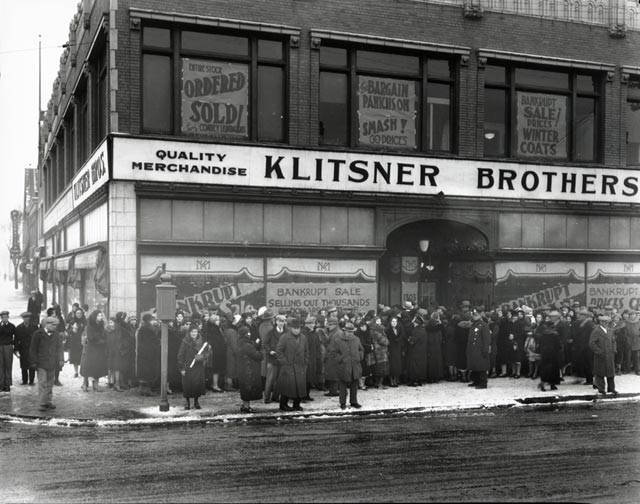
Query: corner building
(297, 153)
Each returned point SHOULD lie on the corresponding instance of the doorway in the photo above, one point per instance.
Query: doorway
(436, 262)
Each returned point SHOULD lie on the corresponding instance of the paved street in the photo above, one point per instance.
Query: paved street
(587, 454)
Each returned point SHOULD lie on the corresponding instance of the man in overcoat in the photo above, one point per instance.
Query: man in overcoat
(330, 365)
(603, 344)
(7, 336)
(47, 354)
(583, 364)
(348, 353)
(292, 357)
(478, 350)
(34, 306)
(24, 332)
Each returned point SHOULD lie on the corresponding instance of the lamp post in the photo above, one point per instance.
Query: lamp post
(165, 311)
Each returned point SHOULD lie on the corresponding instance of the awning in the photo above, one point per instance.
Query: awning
(45, 263)
(61, 263)
(87, 260)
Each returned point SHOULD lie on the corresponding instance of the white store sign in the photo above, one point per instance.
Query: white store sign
(221, 164)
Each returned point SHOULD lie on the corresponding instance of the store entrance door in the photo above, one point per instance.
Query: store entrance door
(436, 262)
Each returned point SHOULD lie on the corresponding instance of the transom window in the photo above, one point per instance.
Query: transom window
(632, 135)
(535, 113)
(374, 99)
(213, 85)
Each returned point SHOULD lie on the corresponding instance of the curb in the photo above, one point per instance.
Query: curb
(544, 403)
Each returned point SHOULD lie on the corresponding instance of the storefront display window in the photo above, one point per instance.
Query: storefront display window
(633, 121)
(231, 87)
(374, 99)
(533, 113)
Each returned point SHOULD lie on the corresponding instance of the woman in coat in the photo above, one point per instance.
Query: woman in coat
(178, 329)
(417, 351)
(148, 368)
(292, 357)
(113, 335)
(95, 361)
(75, 329)
(126, 351)
(435, 332)
(603, 345)
(450, 349)
(191, 358)
(212, 333)
(230, 334)
(380, 352)
(461, 335)
(549, 347)
(363, 333)
(397, 341)
(249, 369)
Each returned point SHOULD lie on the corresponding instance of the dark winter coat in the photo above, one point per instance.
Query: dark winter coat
(7, 333)
(34, 307)
(549, 348)
(369, 359)
(248, 367)
(478, 347)
(397, 341)
(516, 335)
(380, 350)
(23, 343)
(292, 358)
(314, 351)
(417, 354)
(270, 344)
(177, 332)
(212, 334)
(231, 342)
(148, 354)
(435, 332)
(603, 344)
(330, 364)
(75, 339)
(193, 378)
(126, 352)
(633, 334)
(346, 350)
(46, 350)
(450, 348)
(95, 360)
(461, 336)
(112, 335)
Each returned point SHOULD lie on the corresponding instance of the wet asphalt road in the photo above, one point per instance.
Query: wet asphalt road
(586, 454)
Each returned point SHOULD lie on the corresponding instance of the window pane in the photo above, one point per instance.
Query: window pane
(494, 75)
(156, 37)
(270, 104)
(633, 133)
(633, 88)
(156, 93)
(495, 131)
(438, 115)
(541, 125)
(333, 109)
(586, 84)
(585, 122)
(216, 43)
(271, 49)
(215, 98)
(542, 78)
(387, 112)
(333, 56)
(385, 62)
(438, 68)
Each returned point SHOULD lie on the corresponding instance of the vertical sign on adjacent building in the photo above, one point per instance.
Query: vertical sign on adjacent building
(541, 125)
(387, 112)
(91, 176)
(215, 98)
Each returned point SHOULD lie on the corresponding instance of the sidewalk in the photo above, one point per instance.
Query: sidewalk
(110, 408)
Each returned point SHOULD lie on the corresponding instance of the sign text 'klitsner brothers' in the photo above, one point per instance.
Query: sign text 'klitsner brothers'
(200, 163)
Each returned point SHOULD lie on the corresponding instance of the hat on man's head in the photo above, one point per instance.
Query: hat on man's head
(465, 303)
(332, 321)
(294, 323)
(25, 314)
(408, 305)
(554, 313)
(604, 318)
(267, 314)
(281, 317)
(4, 312)
(349, 327)
(331, 308)
(50, 320)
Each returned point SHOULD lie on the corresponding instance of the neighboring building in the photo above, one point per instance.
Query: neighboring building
(299, 153)
(30, 232)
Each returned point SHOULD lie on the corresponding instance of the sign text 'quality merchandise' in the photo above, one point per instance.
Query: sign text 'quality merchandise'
(220, 164)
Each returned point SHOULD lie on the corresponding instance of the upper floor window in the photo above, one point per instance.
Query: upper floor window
(531, 113)
(633, 121)
(385, 100)
(213, 85)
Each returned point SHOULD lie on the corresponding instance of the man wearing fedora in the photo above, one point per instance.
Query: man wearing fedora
(7, 337)
(24, 332)
(46, 356)
(347, 352)
(603, 344)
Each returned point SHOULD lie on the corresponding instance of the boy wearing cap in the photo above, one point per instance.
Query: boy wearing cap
(46, 355)
(24, 332)
(7, 336)
(347, 352)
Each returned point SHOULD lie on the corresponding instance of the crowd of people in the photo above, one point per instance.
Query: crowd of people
(282, 357)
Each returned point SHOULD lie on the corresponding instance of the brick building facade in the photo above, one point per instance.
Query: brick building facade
(296, 153)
